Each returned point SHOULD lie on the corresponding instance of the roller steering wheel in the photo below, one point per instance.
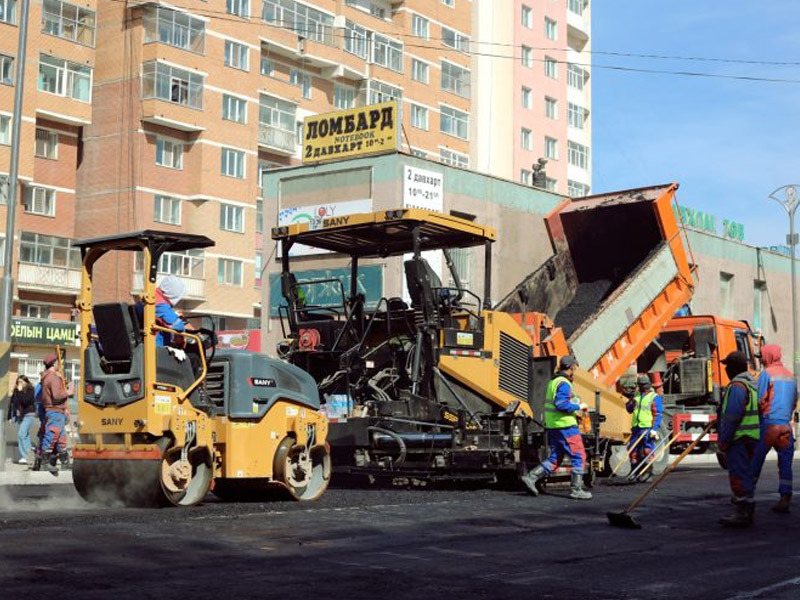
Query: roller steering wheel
(208, 338)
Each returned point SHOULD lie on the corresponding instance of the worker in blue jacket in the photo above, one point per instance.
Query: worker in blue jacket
(737, 437)
(777, 398)
(563, 435)
(646, 408)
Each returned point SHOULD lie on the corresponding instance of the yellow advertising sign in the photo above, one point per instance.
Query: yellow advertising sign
(353, 132)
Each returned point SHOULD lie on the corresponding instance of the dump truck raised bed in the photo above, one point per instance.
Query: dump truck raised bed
(618, 274)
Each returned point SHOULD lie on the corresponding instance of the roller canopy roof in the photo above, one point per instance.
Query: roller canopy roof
(133, 241)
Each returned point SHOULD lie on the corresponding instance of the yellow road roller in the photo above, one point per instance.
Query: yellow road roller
(164, 423)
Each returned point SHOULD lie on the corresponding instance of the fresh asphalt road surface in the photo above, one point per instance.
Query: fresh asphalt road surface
(402, 543)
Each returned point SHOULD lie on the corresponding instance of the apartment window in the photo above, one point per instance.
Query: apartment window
(6, 68)
(454, 39)
(259, 216)
(576, 6)
(387, 53)
(525, 177)
(527, 57)
(75, 23)
(576, 77)
(450, 3)
(229, 271)
(231, 218)
(3, 191)
(48, 250)
(64, 78)
(456, 79)
(301, 80)
(550, 67)
(550, 184)
(419, 153)
(277, 113)
(575, 189)
(550, 108)
(551, 148)
(578, 155)
(234, 109)
(267, 66)
(189, 263)
(236, 55)
(233, 163)
(419, 117)
(455, 159)
(378, 92)
(174, 28)
(240, 8)
(34, 311)
(172, 84)
(46, 143)
(307, 22)
(344, 96)
(576, 115)
(169, 153)
(726, 294)
(167, 210)
(550, 29)
(5, 129)
(355, 40)
(526, 139)
(40, 201)
(527, 98)
(420, 27)
(8, 11)
(527, 17)
(454, 122)
(419, 70)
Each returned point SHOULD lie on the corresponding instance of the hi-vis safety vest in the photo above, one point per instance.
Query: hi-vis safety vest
(554, 418)
(643, 413)
(749, 424)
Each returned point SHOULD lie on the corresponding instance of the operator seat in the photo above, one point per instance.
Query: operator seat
(422, 283)
(118, 334)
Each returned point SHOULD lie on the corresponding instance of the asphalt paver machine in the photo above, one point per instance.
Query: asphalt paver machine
(435, 386)
(161, 425)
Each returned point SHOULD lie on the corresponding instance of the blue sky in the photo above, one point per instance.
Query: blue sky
(728, 143)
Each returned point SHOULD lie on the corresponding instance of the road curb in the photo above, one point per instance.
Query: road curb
(34, 478)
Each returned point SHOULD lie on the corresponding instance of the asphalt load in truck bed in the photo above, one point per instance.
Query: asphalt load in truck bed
(586, 301)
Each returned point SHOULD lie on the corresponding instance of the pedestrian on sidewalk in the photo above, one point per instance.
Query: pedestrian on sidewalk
(563, 435)
(777, 398)
(737, 437)
(22, 412)
(54, 399)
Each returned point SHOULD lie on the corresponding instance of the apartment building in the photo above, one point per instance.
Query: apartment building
(539, 54)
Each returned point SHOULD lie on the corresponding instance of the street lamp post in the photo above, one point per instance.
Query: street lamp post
(787, 197)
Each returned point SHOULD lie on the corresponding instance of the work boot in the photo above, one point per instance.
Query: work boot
(783, 505)
(577, 492)
(51, 463)
(66, 465)
(742, 517)
(533, 476)
(37, 463)
(646, 476)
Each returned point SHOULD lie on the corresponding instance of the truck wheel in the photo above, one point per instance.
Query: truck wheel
(305, 474)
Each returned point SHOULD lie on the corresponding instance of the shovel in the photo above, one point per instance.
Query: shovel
(624, 519)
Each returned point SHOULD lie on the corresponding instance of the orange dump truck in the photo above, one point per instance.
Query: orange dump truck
(618, 274)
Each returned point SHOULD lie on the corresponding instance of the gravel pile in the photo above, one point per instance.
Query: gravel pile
(586, 301)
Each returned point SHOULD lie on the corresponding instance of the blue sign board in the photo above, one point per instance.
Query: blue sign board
(320, 287)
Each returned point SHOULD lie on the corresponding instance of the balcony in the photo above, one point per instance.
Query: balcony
(43, 278)
(577, 26)
(195, 288)
(279, 141)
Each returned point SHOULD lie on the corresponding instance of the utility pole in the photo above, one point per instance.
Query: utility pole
(7, 288)
(786, 196)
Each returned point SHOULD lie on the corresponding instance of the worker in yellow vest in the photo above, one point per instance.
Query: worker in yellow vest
(738, 432)
(563, 436)
(646, 408)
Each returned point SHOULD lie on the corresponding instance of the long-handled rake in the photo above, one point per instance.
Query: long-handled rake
(627, 455)
(624, 519)
(646, 464)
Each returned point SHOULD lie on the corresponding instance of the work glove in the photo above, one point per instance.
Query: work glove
(584, 406)
(653, 434)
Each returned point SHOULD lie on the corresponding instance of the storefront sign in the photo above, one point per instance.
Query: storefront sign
(322, 288)
(423, 189)
(316, 215)
(44, 333)
(702, 221)
(354, 132)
